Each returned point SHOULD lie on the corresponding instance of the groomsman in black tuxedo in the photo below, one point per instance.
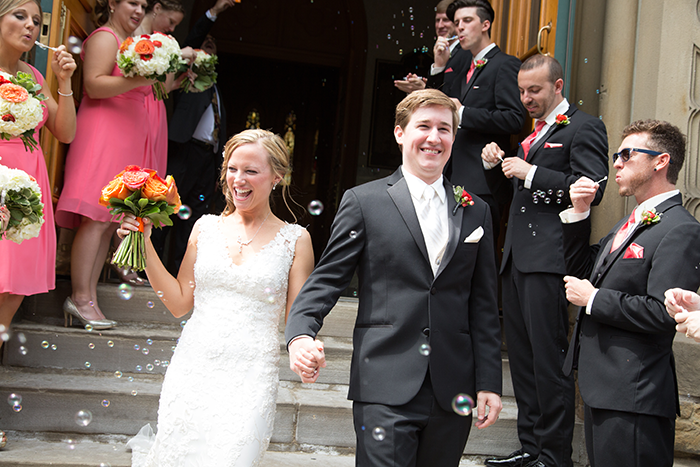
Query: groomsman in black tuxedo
(566, 145)
(485, 89)
(623, 336)
(427, 324)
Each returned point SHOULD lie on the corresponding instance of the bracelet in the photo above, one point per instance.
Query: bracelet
(64, 95)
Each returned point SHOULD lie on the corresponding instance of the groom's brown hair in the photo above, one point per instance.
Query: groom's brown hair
(424, 98)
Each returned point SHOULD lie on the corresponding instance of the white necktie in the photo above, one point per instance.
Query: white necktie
(434, 233)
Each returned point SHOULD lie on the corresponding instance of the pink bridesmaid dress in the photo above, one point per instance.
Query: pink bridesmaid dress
(111, 134)
(29, 268)
(157, 155)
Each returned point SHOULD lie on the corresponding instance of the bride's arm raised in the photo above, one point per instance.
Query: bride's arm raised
(177, 293)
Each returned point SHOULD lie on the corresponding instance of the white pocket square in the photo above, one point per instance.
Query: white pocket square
(475, 236)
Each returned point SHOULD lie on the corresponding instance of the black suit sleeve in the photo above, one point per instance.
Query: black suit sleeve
(199, 32)
(578, 255)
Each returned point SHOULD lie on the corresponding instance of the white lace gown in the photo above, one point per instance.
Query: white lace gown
(217, 404)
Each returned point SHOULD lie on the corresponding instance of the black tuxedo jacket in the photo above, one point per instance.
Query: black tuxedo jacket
(189, 107)
(565, 153)
(445, 80)
(625, 358)
(401, 304)
(492, 112)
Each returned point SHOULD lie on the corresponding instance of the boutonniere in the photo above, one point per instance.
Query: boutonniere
(479, 64)
(462, 198)
(563, 120)
(650, 217)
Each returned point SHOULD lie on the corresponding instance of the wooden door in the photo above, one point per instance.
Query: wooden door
(67, 18)
(525, 27)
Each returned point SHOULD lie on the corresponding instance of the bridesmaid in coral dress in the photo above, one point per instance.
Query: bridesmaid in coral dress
(28, 268)
(113, 132)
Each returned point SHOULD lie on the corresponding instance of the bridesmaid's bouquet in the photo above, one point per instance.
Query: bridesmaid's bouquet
(203, 72)
(21, 209)
(152, 56)
(20, 108)
(143, 193)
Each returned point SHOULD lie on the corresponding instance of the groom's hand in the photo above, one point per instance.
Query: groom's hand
(306, 357)
(493, 402)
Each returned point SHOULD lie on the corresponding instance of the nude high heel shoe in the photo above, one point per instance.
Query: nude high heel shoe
(70, 310)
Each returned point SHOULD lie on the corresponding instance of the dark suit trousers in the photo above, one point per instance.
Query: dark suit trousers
(624, 439)
(536, 327)
(417, 434)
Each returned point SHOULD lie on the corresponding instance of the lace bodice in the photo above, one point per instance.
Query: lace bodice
(217, 405)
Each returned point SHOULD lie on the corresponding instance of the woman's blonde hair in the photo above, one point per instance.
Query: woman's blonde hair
(277, 157)
(7, 6)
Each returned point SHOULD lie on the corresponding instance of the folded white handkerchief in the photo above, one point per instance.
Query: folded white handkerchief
(475, 236)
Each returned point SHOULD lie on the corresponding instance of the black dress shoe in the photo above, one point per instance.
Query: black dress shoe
(517, 458)
(535, 463)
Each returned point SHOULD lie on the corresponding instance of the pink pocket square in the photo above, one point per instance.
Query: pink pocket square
(552, 145)
(449, 70)
(634, 251)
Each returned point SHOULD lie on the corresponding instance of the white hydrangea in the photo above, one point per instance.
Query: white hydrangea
(24, 231)
(15, 180)
(160, 63)
(201, 57)
(27, 115)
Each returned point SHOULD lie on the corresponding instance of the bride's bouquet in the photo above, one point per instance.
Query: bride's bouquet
(143, 193)
(201, 75)
(152, 56)
(21, 209)
(20, 108)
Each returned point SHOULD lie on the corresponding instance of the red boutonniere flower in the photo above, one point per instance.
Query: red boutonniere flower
(650, 217)
(479, 64)
(462, 198)
(563, 119)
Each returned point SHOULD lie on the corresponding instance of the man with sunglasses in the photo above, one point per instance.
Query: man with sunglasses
(623, 337)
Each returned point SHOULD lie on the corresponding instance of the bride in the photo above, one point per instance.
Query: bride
(240, 271)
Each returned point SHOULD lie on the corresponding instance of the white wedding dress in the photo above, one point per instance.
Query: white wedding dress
(217, 404)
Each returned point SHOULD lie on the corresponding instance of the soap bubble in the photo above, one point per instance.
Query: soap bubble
(105, 403)
(136, 346)
(17, 407)
(75, 45)
(88, 327)
(21, 338)
(110, 343)
(22, 350)
(118, 374)
(87, 365)
(125, 291)
(183, 322)
(91, 346)
(160, 294)
(134, 392)
(83, 417)
(149, 341)
(379, 433)
(463, 405)
(201, 197)
(138, 368)
(14, 399)
(185, 212)
(149, 367)
(144, 351)
(424, 350)
(150, 304)
(53, 347)
(315, 207)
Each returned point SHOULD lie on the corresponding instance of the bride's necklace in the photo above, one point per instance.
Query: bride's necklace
(241, 243)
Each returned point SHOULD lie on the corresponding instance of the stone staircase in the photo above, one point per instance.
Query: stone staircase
(116, 375)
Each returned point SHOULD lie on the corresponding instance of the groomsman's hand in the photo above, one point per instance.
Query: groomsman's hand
(515, 167)
(441, 52)
(679, 301)
(582, 192)
(306, 358)
(492, 154)
(689, 323)
(493, 402)
(578, 291)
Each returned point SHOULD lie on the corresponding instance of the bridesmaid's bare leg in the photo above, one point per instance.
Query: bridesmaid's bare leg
(9, 304)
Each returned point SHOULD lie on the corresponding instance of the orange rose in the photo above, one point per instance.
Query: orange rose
(114, 189)
(155, 188)
(13, 93)
(144, 47)
(134, 178)
(125, 45)
(173, 197)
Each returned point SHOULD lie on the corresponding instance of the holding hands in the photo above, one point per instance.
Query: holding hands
(306, 357)
(683, 306)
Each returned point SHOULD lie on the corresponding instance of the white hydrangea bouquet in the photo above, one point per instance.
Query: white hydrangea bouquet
(20, 108)
(21, 209)
(152, 56)
(203, 72)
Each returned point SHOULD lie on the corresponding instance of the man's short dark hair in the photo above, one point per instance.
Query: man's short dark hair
(555, 70)
(663, 137)
(483, 10)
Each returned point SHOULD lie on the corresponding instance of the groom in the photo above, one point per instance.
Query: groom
(427, 328)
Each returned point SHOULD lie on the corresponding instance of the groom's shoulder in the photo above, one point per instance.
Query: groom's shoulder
(373, 187)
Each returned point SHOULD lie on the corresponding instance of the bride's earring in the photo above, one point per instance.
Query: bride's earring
(274, 186)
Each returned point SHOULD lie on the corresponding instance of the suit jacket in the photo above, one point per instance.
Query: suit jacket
(492, 112)
(445, 80)
(402, 305)
(626, 359)
(534, 238)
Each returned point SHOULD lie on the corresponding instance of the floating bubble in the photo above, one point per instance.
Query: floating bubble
(91, 303)
(53, 347)
(105, 403)
(160, 294)
(17, 407)
(315, 207)
(138, 368)
(5, 336)
(88, 327)
(424, 350)
(379, 433)
(75, 45)
(118, 374)
(400, 51)
(149, 367)
(550, 192)
(144, 351)
(353, 234)
(271, 299)
(585, 60)
(547, 201)
(83, 417)
(185, 212)
(157, 362)
(535, 200)
(130, 378)
(149, 341)
(388, 36)
(134, 392)
(110, 343)
(22, 350)
(529, 226)
(125, 291)
(107, 464)
(558, 201)
(150, 304)
(182, 324)
(580, 102)
(165, 363)
(523, 209)
(534, 234)
(560, 193)
(463, 405)
(21, 338)
(201, 197)
(87, 365)
(136, 346)
(14, 399)
(70, 444)
(91, 346)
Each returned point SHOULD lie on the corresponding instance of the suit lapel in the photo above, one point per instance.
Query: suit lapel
(398, 191)
(552, 130)
(454, 223)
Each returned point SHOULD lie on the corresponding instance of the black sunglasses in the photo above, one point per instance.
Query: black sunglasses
(626, 153)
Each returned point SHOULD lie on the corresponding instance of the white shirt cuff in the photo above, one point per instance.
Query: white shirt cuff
(210, 16)
(589, 305)
(528, 178)
(436, 70)
(568, 216)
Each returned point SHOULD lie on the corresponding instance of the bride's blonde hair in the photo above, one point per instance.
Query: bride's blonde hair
(277, 157)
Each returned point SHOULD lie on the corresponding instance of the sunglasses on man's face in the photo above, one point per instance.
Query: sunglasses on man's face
(626, 153)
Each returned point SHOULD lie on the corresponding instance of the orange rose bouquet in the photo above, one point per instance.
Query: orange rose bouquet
(143, 193)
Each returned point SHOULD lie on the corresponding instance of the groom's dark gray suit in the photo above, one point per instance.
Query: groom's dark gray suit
(402, 304)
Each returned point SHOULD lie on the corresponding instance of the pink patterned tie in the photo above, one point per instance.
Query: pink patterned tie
(621, 234)
(471, 71)
(528, 141)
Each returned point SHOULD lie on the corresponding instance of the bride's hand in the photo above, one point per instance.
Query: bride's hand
(131, 224)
